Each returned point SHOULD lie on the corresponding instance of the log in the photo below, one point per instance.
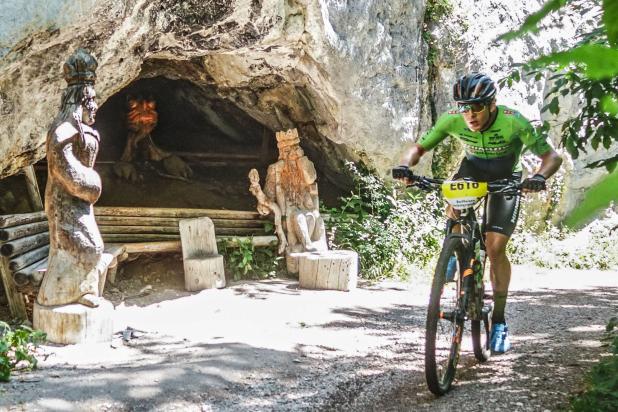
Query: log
(137, 237)
(331, 269)
(32, 274)
(23, 245)
(75, 323)
(204, 273)
(28, 229)
(218, 156)
(21, 219)
(174, 212)
(27, 258)
(154, 247)
(173, 222)
(202, 263)
(136, 221)
(257, 241)
(33, 188)
(14, 298)
(138, 229)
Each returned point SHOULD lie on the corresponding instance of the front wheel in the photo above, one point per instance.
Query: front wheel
(445, 323)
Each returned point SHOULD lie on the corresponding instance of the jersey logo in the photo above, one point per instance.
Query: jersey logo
(453, 112)
(509, 112)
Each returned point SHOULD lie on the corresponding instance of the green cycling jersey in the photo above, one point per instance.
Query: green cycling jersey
(509, 135)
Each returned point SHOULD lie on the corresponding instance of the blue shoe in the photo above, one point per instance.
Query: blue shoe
(451, 268)
(500, 341)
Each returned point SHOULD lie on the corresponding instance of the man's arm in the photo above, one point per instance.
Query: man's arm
(412, 155)
(550, 163)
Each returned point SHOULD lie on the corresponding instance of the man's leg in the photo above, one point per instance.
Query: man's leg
(500, 272)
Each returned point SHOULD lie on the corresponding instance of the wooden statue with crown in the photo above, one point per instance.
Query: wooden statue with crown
(291, 191)
(69, 307)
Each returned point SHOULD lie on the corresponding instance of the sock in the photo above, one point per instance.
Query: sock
(499, 305)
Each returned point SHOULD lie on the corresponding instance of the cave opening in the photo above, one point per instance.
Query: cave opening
(217, 140)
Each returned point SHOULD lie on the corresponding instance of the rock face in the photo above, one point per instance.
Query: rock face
(353, 77)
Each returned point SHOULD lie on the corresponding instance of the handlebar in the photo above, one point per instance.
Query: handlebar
(505, 187)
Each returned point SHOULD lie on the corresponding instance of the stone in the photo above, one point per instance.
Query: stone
(75, 323)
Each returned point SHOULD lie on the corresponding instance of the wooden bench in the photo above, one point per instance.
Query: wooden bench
(24, 240)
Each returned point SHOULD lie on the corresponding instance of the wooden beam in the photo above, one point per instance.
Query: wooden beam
(21, 261)
(21, 219)
(218, 156)
(16, 232)
(174, 212)
(23, 245)
(33, 188)
(14, 298)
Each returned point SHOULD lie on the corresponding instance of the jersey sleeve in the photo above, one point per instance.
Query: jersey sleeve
(531, 140)
(438, 132)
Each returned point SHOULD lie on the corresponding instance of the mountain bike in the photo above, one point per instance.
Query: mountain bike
(458, 291)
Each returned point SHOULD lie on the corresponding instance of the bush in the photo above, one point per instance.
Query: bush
(601, 394)
(245, 261)
(390, 231)
(594, 247)
(17, 348)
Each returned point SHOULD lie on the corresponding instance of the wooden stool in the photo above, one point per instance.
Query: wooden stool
(331, 269)
(202, 262)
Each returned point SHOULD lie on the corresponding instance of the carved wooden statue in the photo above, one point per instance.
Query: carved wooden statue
(265, 206)
(76, 259)
(142, 119)
(291, 185)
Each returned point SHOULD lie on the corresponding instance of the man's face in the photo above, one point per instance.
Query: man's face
(476, 115)
(89, 106)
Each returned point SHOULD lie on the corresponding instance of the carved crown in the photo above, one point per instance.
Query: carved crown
(80, 68)
(287, 138)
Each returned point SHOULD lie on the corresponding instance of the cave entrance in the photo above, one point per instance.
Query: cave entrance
(218, 141)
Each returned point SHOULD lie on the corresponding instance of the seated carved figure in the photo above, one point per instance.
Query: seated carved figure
(142, 119)
(291, 185)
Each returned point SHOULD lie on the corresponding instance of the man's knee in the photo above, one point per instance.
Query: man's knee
(495, 245)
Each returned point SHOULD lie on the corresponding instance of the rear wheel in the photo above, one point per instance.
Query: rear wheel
(444, 328)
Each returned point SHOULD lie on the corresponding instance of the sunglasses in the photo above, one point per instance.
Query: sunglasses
(471, 107)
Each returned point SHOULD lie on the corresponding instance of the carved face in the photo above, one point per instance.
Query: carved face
(142, 114)
(89, 106)
(291, 152)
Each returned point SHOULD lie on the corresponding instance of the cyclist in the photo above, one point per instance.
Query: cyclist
(494, 138)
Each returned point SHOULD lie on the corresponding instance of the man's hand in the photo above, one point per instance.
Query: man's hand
(401, 173)
(535, 183)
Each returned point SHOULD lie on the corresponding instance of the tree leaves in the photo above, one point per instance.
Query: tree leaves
(597, 61)
(532, 21)
(610, 20)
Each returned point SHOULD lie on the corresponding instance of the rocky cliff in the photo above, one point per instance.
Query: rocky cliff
(359, 79)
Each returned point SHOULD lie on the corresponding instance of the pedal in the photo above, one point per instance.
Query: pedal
(487, 308)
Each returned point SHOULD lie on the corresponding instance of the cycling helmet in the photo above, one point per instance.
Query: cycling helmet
(474, 88)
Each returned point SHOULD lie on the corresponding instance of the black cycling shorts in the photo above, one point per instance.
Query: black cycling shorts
(501, 211)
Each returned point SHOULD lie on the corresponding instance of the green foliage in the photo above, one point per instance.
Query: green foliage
(434, 11)
(390, 231)
(245, 261)
(17, 348)
(601, 394)
(593, 247)
(531, 24)
(589, 72)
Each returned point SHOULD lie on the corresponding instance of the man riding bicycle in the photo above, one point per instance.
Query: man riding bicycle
(494, 138)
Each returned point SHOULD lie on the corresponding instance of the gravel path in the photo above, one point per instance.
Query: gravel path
(269, 346)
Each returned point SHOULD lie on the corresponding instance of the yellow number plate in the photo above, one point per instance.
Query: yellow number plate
(462, 194)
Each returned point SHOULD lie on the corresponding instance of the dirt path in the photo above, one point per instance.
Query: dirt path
(269, 346)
